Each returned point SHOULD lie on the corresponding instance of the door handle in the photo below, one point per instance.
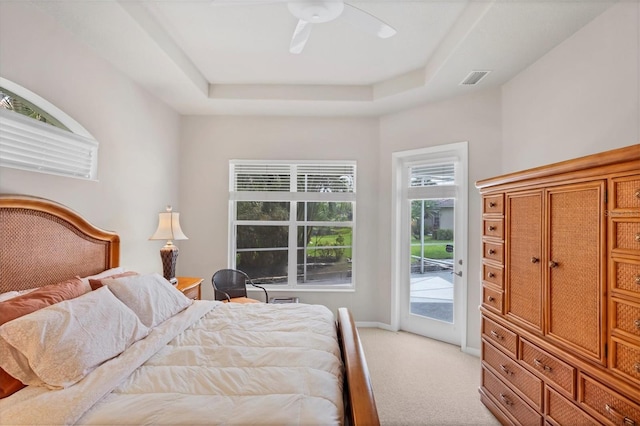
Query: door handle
(458, 273)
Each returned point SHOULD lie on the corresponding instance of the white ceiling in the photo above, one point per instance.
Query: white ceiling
(232, 56)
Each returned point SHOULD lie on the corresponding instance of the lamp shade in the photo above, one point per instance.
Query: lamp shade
(168, 227)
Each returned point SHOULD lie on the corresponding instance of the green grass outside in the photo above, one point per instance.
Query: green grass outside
(432, 250)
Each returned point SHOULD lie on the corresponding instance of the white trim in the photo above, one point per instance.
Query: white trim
(400, 160)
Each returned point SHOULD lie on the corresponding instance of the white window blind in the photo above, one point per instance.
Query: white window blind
(432, 174)
(432, 180)
(274, 179)
(28, 144)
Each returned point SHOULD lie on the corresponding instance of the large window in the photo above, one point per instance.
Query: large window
(292, 224)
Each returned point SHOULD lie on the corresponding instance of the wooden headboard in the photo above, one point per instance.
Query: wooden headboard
(43, 242)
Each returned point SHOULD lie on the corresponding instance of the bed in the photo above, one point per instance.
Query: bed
(205, 363)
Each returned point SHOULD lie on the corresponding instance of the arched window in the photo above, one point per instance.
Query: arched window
(37, 136)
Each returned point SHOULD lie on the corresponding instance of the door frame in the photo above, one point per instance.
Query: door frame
(398, 234)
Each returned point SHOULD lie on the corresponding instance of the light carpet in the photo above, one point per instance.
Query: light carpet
(420, 381)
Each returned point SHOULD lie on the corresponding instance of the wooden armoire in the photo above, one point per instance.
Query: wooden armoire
(561, 292)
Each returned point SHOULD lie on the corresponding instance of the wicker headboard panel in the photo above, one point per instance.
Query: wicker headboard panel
(43, 242)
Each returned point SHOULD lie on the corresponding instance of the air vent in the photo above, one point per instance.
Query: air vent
(474, 77)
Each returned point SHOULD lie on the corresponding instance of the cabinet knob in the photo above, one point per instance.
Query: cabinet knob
(638, 237)
(638, 279)
(636, 367)
(492, 251)
(541, 365)
(505, 400)
(491, 275)
(496, 335)
(491, 298)
(553, 264)
(506, 370)
(493, 203)
(534, 259)
(637, 193)
(493, 228)
(621, 418)
(637, 323)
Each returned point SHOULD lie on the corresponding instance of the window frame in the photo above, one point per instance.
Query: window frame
(293, 197)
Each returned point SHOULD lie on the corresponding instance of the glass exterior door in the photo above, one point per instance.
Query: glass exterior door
(432, 259)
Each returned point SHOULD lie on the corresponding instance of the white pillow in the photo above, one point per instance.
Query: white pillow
(103, 274)
(151, 297)
(64, 342)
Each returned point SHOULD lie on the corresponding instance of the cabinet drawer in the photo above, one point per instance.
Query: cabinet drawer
(499, 335)
(605, 404)
(549, 367)
(509, 370)
(508, 400)
(493, 275)
(625, 359)
(627, 236)
(492, 299)
(493, 251)
(626, 192)
(493, 228)
(627, 277)
(561, 411)
(493, 204)
(626, 317)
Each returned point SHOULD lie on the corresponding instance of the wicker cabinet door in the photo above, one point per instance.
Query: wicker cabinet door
(575, 276)
(524, 292)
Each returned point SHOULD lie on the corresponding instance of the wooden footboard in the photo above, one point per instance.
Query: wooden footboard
(360, 405)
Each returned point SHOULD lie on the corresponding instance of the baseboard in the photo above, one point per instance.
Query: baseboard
(373, 324)
(472, 351)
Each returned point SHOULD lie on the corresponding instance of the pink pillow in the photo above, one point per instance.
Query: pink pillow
(26, 304)
(97, 283)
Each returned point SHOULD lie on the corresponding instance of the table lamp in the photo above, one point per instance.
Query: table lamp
(169, 229)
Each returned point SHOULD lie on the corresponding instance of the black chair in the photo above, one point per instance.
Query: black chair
(229, 284)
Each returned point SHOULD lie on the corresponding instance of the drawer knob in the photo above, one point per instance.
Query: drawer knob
(491, 275)
(637, 237)
(493, 228)
(636, 367)
(637, 323)
(506, 370)
(506, 400)
(637, 193)
(553, 264)
(618, 416)
(542, 365)
(496, 335)
(493, 203)
(491, 298)
(534, 259)
(638, 279)
(492, 251)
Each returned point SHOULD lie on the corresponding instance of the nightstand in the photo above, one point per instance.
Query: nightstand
(190, 286)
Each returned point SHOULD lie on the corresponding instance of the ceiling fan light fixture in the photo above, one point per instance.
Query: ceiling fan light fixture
(316, 11)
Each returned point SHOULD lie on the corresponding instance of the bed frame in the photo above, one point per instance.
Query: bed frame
(44, 242)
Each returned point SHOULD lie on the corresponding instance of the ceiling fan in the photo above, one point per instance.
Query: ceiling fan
(312, 12)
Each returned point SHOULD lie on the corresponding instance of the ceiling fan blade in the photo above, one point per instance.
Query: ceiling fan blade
(300, 36)
(367, 22)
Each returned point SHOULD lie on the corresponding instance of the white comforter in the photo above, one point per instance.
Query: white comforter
(213, 363)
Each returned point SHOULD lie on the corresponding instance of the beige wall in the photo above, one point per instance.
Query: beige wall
(208, 143)
(138, 135)
(581, 98)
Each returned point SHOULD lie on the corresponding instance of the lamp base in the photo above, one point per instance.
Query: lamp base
(169, 255)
